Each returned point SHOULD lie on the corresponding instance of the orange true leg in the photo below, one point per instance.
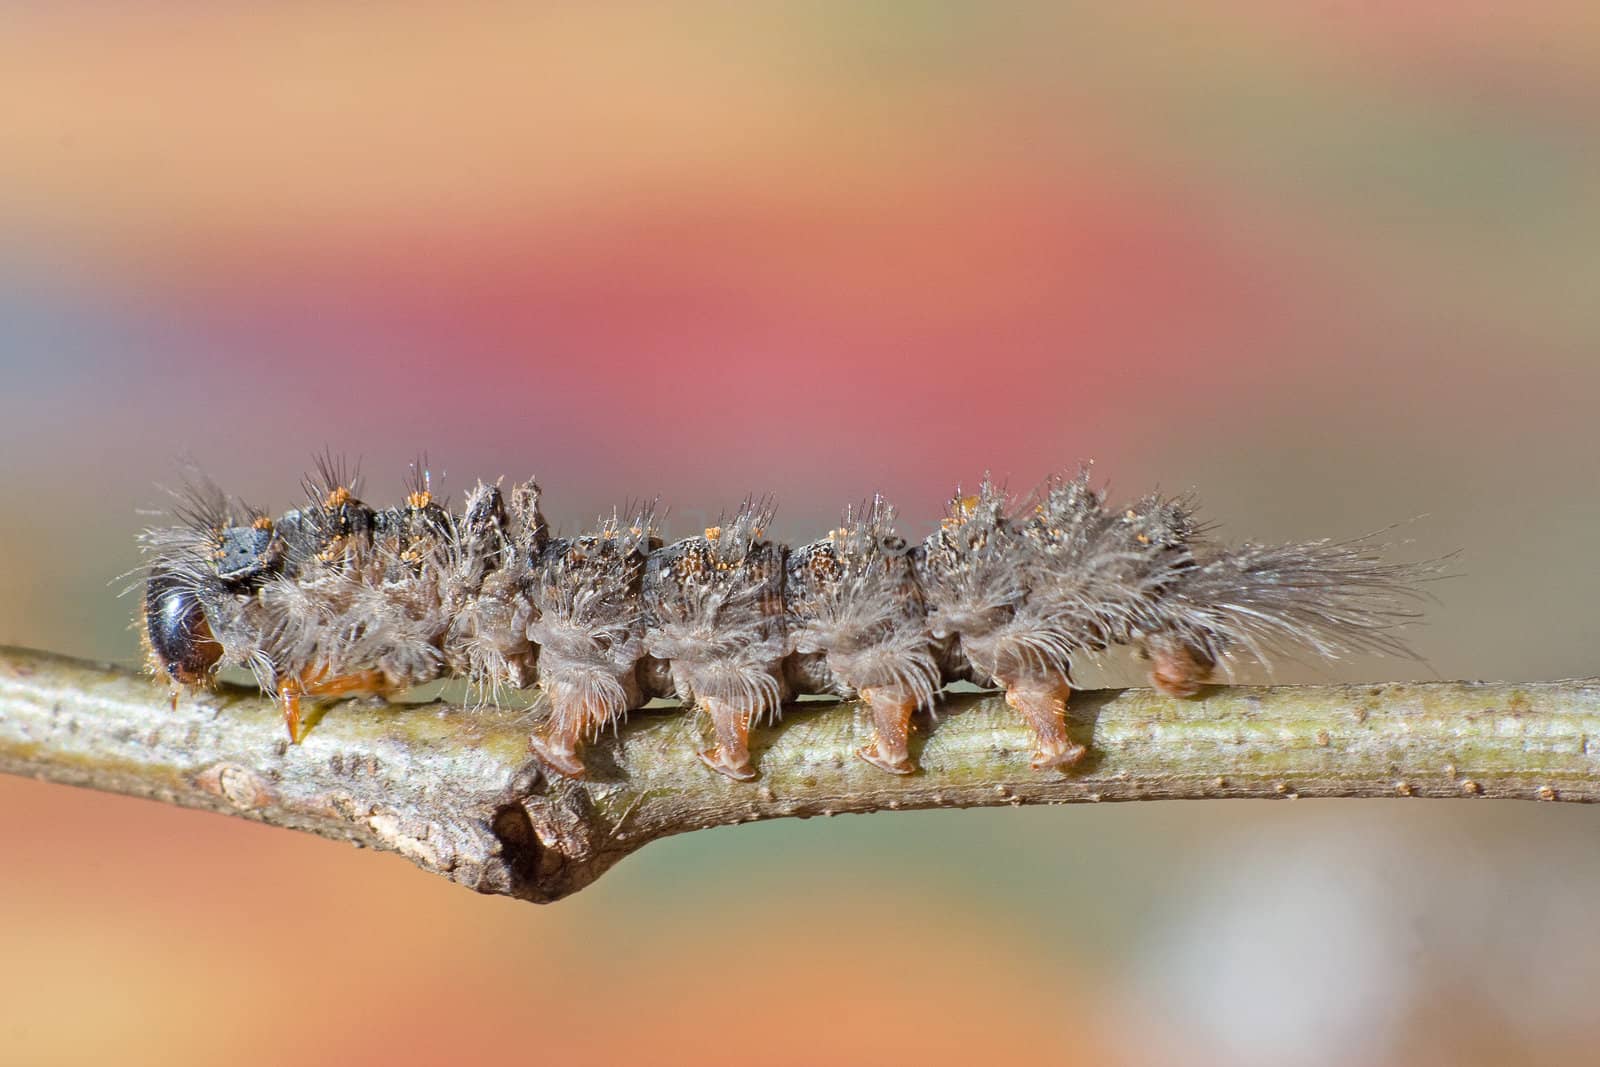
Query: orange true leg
(731, 754)
(1043, 703)
(289, 697)
(320, 684)
(891, 729)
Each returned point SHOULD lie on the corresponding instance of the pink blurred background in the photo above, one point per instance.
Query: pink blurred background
(1333, 265)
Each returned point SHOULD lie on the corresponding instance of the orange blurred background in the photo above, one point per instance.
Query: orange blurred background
(1333, 265)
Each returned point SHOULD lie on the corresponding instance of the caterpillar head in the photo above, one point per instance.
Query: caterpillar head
(177, 634)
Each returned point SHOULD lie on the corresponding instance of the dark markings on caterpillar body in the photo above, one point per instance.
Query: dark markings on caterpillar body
(336, 599)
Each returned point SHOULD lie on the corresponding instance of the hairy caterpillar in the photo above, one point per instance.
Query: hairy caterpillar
(336, 598)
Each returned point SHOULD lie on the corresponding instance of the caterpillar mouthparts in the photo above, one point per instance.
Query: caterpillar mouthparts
(335, 598)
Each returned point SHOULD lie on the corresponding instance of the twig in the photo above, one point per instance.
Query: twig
(454, 790)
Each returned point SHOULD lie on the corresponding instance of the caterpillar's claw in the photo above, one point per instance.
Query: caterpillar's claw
(575, 715)
(729, 766)
(891, 730)
(559, 754)
(1043, 704)
(873, 753)
(730, 756)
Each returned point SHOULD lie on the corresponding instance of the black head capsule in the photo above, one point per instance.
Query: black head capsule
(181, 643)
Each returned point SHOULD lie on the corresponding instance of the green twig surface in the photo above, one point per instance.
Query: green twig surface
(454, 789)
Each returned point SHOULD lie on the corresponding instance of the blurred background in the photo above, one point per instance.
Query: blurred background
(1333, 265)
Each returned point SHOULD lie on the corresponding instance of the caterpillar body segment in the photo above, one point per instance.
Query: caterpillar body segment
(714, 608)
(490, 560)
(1257, 603)
(1026, 592)
(588, 624)
(856, 616)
